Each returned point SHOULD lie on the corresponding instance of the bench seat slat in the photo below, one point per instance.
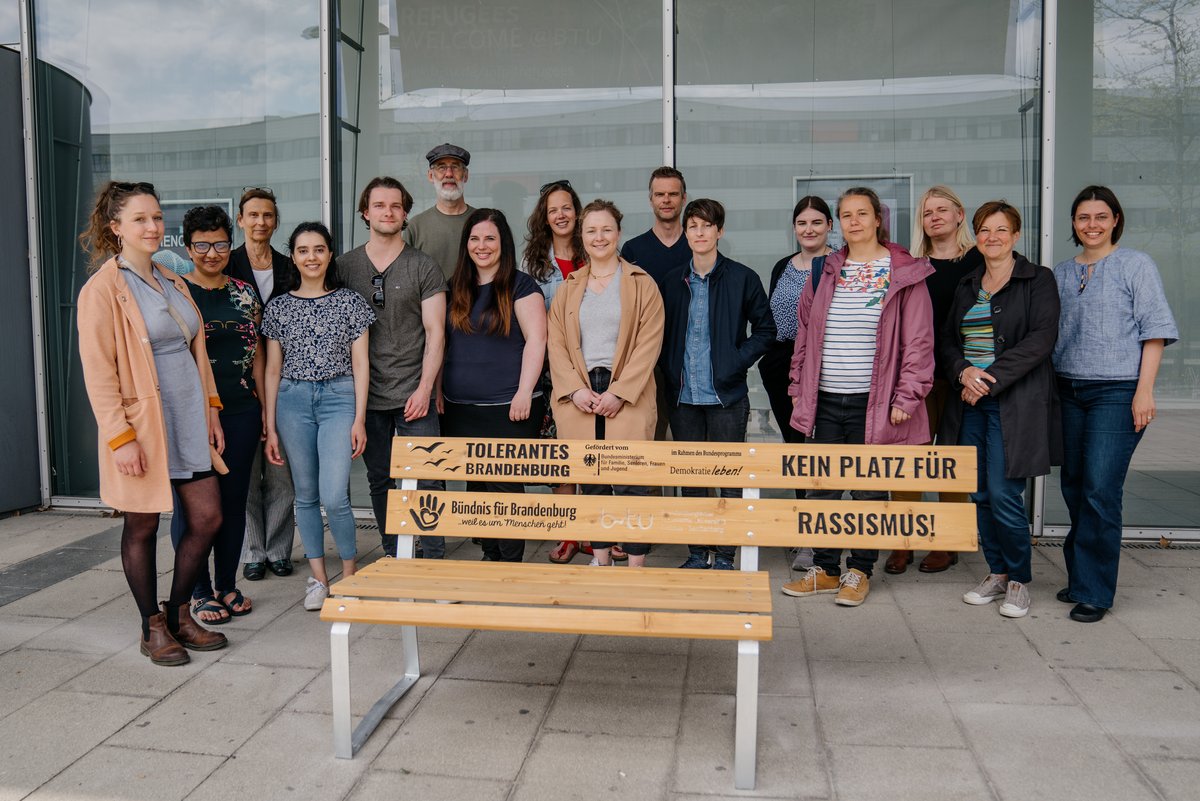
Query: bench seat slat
(561, 574)
(556, 620)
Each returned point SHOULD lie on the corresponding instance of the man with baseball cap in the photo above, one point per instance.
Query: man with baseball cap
(437, 231)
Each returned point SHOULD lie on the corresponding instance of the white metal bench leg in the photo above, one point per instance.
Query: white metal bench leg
(745, 740)
(339, 652)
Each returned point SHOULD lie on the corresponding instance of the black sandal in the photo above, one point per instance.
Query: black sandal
(211, 604)
(238, 600)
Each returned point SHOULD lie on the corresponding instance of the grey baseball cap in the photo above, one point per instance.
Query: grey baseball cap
(450, 151)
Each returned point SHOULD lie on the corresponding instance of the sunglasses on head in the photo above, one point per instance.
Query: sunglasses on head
(134, 186)
(562, 183)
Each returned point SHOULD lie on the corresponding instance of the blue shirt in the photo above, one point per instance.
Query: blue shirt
(697, 388)
(1102, 328)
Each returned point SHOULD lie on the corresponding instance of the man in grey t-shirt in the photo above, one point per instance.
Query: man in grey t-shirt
(408, 338)
(438, 230)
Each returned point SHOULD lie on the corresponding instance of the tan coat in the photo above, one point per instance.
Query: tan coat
(122, 385)
(639, 341)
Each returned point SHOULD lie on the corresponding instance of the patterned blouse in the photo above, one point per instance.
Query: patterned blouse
(786, 300)
(316, 333)
(231, 336)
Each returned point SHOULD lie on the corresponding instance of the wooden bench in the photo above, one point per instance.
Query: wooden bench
(646, 602)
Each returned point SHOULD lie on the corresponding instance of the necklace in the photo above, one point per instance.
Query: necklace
(606, 275)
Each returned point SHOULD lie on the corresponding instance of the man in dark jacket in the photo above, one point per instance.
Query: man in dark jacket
(708, 303)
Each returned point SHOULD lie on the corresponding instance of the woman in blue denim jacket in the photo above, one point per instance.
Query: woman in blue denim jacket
(1113, 327)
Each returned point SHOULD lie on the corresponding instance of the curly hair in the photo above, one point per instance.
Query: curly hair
(98, 239)
(539, 238)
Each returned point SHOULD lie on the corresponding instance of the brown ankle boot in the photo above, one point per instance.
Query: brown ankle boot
(898, 562)
(162, 648)
(194, 636)
(937, 561)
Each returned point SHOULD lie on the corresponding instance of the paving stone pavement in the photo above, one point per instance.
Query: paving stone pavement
(913, 695)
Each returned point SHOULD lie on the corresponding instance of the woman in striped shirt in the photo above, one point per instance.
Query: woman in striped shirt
(862, 366)
(995, 346)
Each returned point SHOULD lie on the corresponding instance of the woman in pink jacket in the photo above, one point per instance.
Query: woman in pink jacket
(862, 366)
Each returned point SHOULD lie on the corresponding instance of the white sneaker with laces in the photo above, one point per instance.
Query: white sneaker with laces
(1016, 600)
(988, 590)
(315, 594)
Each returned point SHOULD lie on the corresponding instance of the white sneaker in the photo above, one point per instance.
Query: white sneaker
(315, 594)
(988, 590)
(1016, 600)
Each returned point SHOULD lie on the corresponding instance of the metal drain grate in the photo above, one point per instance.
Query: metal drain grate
(1172, 545)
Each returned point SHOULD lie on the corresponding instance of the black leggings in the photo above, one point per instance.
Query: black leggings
(600, 379)
(201, 502)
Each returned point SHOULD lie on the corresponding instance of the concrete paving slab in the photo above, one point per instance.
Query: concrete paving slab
(384, 785)
(1182, 656)
(216, 711)
(471, 729)
(633, 645)
(788, 749)
(1006, 670)
(1049, 751)
(628, 767)
(73, 597)
(291, 758)
(127, 672)
(26, 674)
(297, 638)
(1064, 643)
(1167, 557)
(941, 609)
(1161, 612)
(873, 632)
(42, 739)
(867, 773)
(626, 709)
(1150, 713)
(875, 703)
(624, 670)
(513, 656)
(1176, 779)
(130, 775)
(18, 629)
(105, 630)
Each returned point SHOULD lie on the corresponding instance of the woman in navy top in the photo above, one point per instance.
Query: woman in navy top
(495, 347)
(1114, 325)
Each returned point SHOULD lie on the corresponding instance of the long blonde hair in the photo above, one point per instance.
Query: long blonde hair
(924, 244)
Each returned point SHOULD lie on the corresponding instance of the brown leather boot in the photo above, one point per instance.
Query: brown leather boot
(897, 562)
(191, 634)
(161, 647)
(937, 561)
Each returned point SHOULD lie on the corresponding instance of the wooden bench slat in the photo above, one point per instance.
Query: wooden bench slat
(771, 522)
(552, 620)
(503, 587)
(561, 574)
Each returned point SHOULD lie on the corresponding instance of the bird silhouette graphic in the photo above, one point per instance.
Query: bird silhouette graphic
(435, 464)
(433, 447)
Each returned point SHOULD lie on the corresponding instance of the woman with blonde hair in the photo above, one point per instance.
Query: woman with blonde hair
(942, 234)
(151, 388)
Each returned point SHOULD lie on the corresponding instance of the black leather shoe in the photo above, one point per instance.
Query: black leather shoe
(1086, 613)
(1064, 596)
(255, 571)
(281, 567)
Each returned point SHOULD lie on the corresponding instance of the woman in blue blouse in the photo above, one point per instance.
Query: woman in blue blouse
(316, 397)
(495, 347)
(1114, 325)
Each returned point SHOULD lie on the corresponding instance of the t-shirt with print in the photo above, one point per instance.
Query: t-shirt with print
(316, 333)
(231, 337)
(398, 335)
(484, 368)
(852, 326)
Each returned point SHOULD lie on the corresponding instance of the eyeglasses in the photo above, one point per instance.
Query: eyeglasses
(204, 247)
(561, 183)
(442, 169)
(377, 285)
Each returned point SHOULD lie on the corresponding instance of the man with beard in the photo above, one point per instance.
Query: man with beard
(407, 340)
(664, 246)
(438, 230)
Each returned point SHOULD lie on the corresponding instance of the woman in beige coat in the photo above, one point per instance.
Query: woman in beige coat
(605, 332)
(151, 388)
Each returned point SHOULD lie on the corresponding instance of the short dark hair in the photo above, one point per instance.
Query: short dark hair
(667, 172)
(332, 281)
(997, 207)
(881, 233)
(705, 209)
(257, 193)
(812, 202)
(205, 218)
(384, 182)
(1105, 196)
(600, 204)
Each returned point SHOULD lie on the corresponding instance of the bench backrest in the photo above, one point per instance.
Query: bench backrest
(748, 521)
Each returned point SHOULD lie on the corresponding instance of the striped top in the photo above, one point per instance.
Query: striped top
(848, 354)
(979, 339)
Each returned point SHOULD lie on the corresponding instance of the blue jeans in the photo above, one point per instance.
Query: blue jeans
(314, 419)
(382, 426)
(999, 503)
(691, 423)
(243, 436)
(1099, 440)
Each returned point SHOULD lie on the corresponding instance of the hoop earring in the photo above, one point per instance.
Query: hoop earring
(120, 244)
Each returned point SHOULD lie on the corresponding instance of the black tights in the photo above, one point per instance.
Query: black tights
(201, 503)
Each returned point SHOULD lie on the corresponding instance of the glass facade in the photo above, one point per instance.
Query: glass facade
(771, 100)
(1129, 89)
